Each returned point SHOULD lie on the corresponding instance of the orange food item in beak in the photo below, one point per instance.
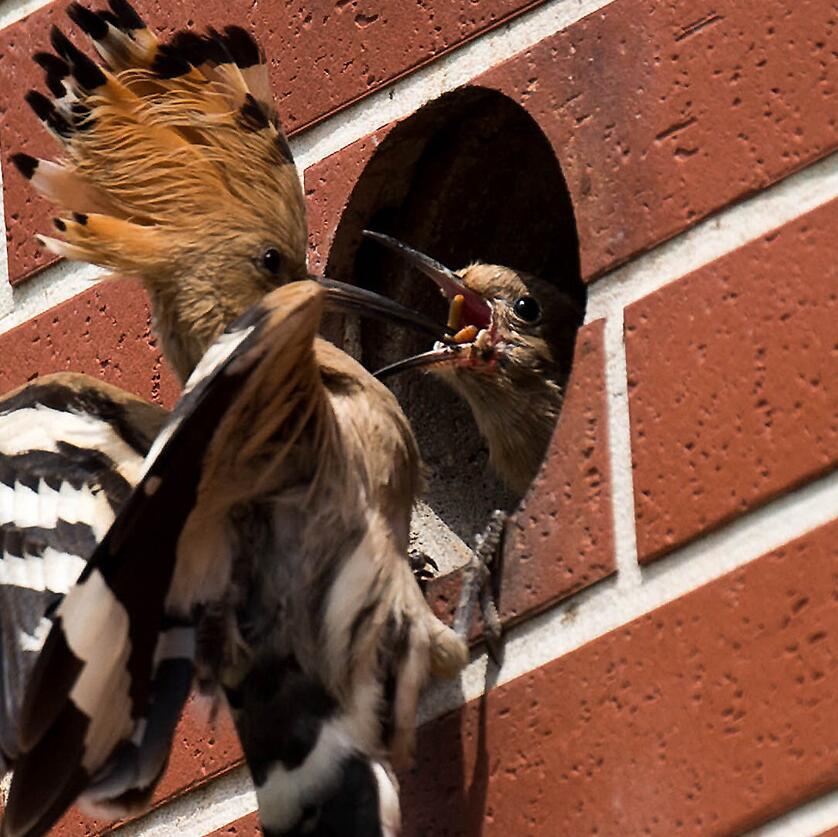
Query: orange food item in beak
(465, 335)
(455, 312)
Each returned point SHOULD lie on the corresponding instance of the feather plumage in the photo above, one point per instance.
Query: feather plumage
(163, 143)
(329, 610)
(280, 490)
(71, 449)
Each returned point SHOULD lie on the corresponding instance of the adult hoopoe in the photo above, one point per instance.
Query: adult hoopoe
(264, 546)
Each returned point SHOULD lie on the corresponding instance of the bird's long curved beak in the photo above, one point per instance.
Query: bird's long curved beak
(473, 310)
(350, 299)
(423, 360)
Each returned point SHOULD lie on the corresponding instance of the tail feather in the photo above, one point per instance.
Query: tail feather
(126, 783)
(310, 775)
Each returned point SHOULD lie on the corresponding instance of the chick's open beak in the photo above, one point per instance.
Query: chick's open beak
(466, 308)
(350, 299)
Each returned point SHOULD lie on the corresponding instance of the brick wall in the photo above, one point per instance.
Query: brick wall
(671, 585)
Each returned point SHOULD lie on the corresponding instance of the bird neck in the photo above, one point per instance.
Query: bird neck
(186, 323)
(517, 419)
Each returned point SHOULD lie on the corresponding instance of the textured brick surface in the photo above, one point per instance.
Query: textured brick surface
(247, 826)
(200, 750)
(709, 715)
(104, 331)
(640, 103)
(732, 376)
(328, 187)
(324, 55)
(561, 538)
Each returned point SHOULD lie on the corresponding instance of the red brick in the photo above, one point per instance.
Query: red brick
(328, 187)
(104, 331)
(202, 749)
(561, 539)
(640, 102)
(731, 382)
(247, 826)
(324, 55)
(712, 714)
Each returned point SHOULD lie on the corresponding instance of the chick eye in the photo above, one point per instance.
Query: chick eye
(272, 260)
(527, 309)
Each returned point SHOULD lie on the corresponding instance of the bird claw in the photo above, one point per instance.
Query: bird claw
(478, 584)
(424, 567)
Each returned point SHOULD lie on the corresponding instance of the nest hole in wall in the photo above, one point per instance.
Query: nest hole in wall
(469, 177)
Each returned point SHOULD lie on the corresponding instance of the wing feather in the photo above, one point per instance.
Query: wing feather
(100, 681)
(71, 448)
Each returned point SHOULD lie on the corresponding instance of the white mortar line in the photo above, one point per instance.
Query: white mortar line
(47, 289)
(808, 820)
(619, 454)
(559, 631)
(206, 809)
(716, 236)
(11, 11)
(606, 606)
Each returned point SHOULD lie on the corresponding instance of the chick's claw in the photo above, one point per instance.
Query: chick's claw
(478, 586)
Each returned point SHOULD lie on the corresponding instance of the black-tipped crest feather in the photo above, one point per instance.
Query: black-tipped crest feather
(46, 112)
(88, 21)
(60, 42)
(169, 62)
(242, 46)
(26, 164)
(126, 14)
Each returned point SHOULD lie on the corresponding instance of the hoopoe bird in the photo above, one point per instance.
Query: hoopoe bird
(507, 359)
(263, 547)
(513, 334)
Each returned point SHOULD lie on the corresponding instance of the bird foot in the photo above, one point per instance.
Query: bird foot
(478, 586)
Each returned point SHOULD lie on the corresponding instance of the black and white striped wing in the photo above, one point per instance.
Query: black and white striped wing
(108, 686)
(71, 449)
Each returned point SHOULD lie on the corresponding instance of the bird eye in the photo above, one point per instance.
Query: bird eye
(272, 260)
(527, 309)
